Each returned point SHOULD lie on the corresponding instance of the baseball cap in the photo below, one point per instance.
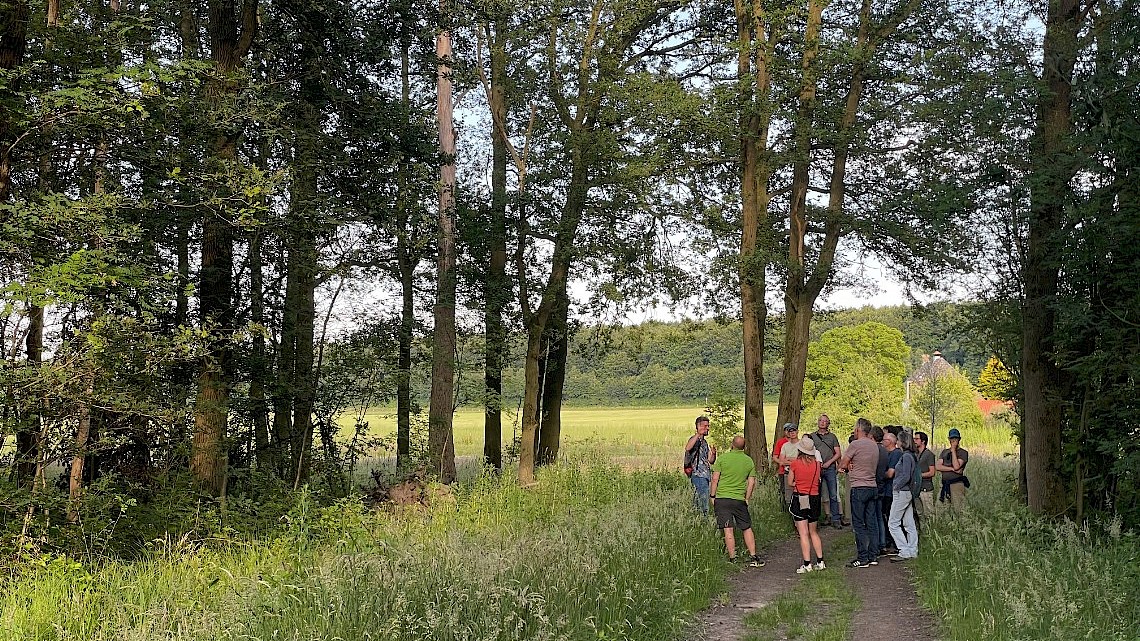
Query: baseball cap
(954, 433)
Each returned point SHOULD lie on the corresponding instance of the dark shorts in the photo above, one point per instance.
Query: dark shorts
(732, 513)
(811, 514)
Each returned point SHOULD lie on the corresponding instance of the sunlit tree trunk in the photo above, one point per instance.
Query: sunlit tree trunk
(441, 447)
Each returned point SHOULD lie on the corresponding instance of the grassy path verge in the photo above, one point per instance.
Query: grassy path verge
(598, 555)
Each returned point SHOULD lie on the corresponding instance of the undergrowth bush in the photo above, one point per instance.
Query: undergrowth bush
(996, 572)
(595, 553)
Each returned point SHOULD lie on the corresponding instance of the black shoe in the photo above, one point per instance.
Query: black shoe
(899, 559)
(837, 526)
(872, 562)
(756, 561)
(859, 564)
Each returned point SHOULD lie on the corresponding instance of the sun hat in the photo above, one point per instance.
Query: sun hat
(806, 446)
(954, 433)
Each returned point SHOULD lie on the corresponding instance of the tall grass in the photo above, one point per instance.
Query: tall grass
(995, 572)
(595, 554)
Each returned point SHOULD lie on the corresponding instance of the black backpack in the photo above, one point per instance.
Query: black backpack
(691, 456)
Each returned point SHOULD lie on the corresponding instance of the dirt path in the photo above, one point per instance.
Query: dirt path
(754, 588)
(890, 609)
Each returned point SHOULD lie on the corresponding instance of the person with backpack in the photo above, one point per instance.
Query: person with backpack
(699, 457)
(906, 481)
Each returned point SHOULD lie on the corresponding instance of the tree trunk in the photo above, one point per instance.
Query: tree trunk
(755, 172)
(804, 286)
(407, 258)
(538, 321)
(556, 349)
(79, 454)
(28, 436)
(441, 447)
(1051, 172)
(496, 290)
(259, 359)
(231, 36)
(13, 42)
(305, 230)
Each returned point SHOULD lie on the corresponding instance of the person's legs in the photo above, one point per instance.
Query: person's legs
(911, 526)
(730, 542)
(750, 542)
(927, 499)
(813, 532)
(899, 506)
(958, 496)
(861, 497)
(701, 494)
(889, 541)
(783, 500)
(805, 541)
(831, 487)
(875, 523)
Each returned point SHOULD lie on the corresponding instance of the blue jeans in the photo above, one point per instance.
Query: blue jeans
(878, 525)
(829, 477)
(701, 494)
(863, 502)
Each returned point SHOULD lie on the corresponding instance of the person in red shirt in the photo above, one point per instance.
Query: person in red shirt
(791, 433)
(803, 478)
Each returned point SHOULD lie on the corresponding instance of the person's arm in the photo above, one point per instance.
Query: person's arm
(791, 478)
(891, 472)
(712, 454)
(838, 454)
(713, 484)
(955, 462)
(691, 443)
(751, 486)
(942, 467)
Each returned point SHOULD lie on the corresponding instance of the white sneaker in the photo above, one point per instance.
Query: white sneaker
(803, 569)
(820, 566)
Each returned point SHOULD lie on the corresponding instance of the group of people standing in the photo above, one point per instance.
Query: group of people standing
(890, 485)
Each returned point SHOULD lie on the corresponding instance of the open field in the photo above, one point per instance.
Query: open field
(645, 433)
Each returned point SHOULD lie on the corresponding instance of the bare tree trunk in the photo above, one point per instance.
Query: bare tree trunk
(1049, 191)
(406, 262)
(496, 290)
(79, 454)
(441, 447)
(805, 284)
(259, 359)
(305, 229)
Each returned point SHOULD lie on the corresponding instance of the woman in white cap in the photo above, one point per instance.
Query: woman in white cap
(803, 478)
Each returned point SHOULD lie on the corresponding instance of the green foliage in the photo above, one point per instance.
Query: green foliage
(996, 381)
(856, 371)
(726, 413)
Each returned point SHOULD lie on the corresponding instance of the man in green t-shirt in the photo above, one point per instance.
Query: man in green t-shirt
(733, 480)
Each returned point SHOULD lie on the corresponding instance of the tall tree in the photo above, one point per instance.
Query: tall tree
(231, 34)
(441, 444)
(1053, 167)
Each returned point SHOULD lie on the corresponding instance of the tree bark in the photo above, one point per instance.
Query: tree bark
(441, 447)
(13, 43)
(555, 351)
(407, 258)
(496, 290)
(231, 36)
(1051, 173)
(305, 230)
(753, 73)
(28, 436)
